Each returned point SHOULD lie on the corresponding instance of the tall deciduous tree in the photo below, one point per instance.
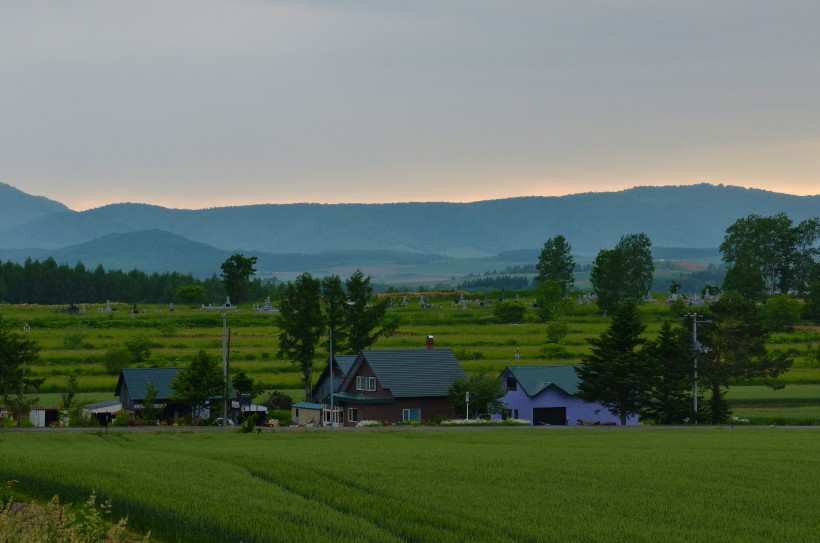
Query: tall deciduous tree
(765, 255)
(617, 373)
(806, 266)
(623, 273)
(15, 353)
(334, 301)
(236, 275)
(811, 309)
(670, 365)
(485, 395)
(365, 317)
(200, 381)
(301, 323)
(555, 263)
(735, 339)
(548, 297)
(150, 411)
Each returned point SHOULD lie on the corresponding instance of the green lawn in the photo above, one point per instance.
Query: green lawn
(499, 485)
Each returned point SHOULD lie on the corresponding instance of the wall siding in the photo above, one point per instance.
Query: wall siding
(553, 397)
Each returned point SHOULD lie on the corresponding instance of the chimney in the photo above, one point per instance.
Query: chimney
(430, 343)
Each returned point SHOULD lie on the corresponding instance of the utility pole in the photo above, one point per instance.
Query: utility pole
(225, 369)
(20, 402)
(697, 348)
(330, 374)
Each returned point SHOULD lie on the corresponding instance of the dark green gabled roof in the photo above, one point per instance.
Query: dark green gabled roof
(136, 379)
(345, 362)
(358, 397)
(535, 379)
(414, 373)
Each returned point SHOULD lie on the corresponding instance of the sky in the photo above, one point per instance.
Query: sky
(205, 103)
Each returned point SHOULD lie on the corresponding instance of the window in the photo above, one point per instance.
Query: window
(411, 414)
(512, 384)
(337, 416)
(352, 414)
(365, 383)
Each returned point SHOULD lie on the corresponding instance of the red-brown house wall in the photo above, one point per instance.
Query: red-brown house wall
(431, 408)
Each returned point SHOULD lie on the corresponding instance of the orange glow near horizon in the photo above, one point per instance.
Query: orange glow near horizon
(78, 203)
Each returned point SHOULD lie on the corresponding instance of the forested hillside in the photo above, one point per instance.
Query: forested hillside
(686, 216)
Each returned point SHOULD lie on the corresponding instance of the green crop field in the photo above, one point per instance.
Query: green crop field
(77, 344)
(493, 485)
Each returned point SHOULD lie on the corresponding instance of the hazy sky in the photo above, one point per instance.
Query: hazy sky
(200, 103)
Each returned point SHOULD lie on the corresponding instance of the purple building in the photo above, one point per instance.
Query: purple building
(546, 395)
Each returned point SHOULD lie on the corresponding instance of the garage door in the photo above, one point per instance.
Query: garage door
(554, 416)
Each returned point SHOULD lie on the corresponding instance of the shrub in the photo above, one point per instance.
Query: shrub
(368, 423)
(508, 313)
(122, 418)
(115, 359)
(76, 340)
(279, 401)
(781, 313)
(557, 331)
(53, 521)
(556, 352)
(248, 424)
(282, 415)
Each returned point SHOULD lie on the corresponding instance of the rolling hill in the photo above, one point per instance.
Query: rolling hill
(286, 236)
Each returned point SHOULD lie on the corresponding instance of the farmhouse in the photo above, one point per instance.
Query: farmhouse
(546, 395)
(341, 367)
(132, 385)
(395, 386)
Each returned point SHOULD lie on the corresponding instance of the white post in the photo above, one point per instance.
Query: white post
(468, 405)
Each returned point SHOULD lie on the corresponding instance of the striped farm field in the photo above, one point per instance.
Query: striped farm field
(419, 484)
(77, 345)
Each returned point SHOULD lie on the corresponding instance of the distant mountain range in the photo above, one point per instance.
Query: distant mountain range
(300, 237)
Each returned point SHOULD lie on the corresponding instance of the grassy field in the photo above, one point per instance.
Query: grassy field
(77, 344)
(528, 484)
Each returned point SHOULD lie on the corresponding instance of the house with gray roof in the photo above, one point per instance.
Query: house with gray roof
(132, 387)
(397, 386)
(547, 395)
(341, 366)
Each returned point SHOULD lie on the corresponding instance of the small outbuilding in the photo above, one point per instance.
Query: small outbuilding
(306, 413)
(547, 395)
(104, 412)
(44, 417)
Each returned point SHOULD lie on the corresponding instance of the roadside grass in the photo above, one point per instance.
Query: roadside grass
(597, 485)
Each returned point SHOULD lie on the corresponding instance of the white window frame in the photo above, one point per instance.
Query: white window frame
(407, 413)
(352, 414)
(365, 383)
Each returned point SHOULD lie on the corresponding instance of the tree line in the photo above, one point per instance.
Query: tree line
(768, 259)
(49, 283)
